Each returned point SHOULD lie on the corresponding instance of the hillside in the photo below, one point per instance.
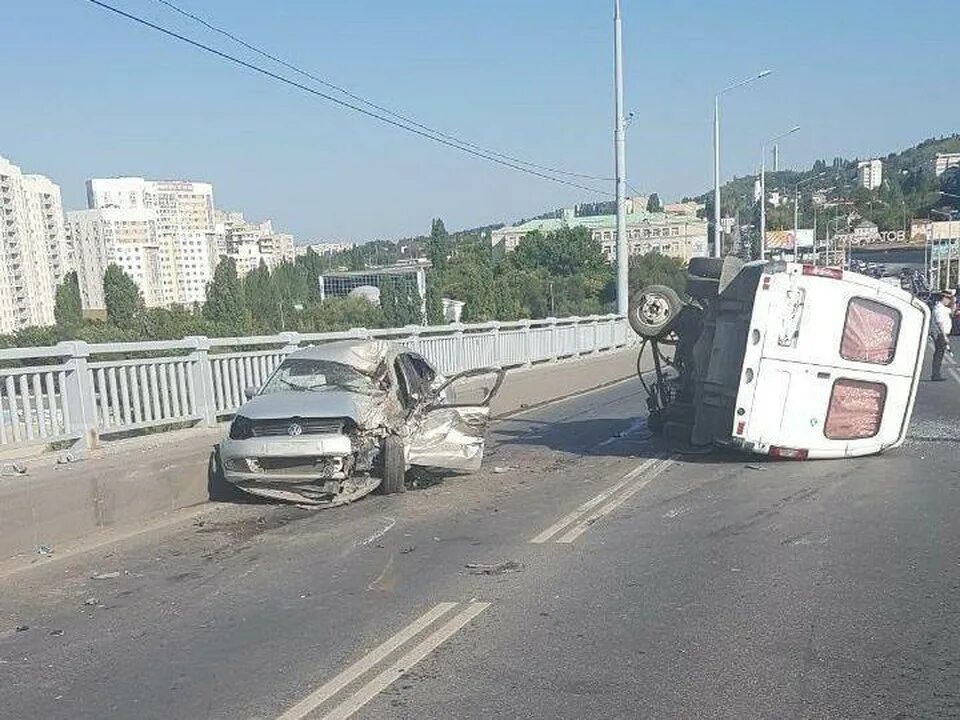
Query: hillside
(910, 189)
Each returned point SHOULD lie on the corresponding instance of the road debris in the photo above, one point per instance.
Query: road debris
(90, 601)
(497, 569)
(56, 633)
(499, 469)
(407, 549)
(22, 628)
(756, 467)
(106, 575)
(12, 468)
(44, 550)
(67, 457)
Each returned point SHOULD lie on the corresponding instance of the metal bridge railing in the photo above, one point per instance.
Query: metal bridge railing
(80, 393)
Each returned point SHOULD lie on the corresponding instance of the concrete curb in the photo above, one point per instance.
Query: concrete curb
(136, 480)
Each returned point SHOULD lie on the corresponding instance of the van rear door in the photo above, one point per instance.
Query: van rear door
(837, 367)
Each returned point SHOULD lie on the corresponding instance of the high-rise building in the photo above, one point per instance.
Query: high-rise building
(870, 174)
(126, 237)
(34, 252)
(185, 231)
(250, 243)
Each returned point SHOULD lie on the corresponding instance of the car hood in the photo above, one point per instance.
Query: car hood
(365, 410)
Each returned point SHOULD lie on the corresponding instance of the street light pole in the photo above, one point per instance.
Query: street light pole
(717, 233)
(623, 273)
(763, 189)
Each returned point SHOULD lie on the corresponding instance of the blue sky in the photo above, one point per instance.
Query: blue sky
(87, 93)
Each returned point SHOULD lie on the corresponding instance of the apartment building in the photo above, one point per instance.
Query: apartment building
(945, 161)
(126, 237)
(679, 236)
(183, 218)
(250, 243)
(34, 250)
(870, 174)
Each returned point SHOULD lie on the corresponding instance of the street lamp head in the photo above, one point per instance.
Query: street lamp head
(793, 129)
(764, 73)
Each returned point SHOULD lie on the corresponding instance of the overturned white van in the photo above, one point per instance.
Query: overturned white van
(783, 359)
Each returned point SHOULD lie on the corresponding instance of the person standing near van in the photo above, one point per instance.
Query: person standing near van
(940, 329)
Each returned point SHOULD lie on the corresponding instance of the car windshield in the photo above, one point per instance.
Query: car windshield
(316, 376)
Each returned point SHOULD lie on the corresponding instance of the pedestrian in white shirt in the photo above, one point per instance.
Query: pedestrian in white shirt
(940, 330)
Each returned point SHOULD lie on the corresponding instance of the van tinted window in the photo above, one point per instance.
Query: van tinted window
(856, 409)
(870, 332)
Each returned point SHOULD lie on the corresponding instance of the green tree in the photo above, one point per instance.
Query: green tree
(388, 301)
(653, 203)
(434, 299)
(656, 269)
(67, 306)
(122, 298)
(226, 306)
(438, 245)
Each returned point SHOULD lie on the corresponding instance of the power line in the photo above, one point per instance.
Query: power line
(337, 101)
(312, 76)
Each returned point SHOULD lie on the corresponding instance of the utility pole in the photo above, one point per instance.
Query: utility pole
(623, 289)
(776, 157)
(717, 235)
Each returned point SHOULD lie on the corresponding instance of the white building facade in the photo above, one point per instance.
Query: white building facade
(679, 236)
(34, 250)
(870, 174)
(250, 243)
(126, 237)
(944, 161)
(182, 215)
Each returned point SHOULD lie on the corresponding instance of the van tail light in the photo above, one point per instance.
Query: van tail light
(828, 272)
(788, 453)
(741, 426)
(766, 282)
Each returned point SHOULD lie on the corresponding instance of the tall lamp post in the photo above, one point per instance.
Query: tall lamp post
(623, 271)
(951, 240)
(763, 189)
(717, 240)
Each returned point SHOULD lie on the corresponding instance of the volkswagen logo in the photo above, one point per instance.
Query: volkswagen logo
(294, 430)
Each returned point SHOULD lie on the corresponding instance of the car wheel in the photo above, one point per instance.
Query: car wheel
(653, 309)
(706, 267)
(218, 489)
(394, 466)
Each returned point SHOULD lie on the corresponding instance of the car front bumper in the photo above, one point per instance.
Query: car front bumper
(304, 459)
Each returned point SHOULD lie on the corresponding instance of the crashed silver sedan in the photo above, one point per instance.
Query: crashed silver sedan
(335, 421)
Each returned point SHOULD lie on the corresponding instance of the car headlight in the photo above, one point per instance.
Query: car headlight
(241, 428)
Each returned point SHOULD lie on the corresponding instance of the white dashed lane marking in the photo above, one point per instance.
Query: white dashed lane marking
(571, 526)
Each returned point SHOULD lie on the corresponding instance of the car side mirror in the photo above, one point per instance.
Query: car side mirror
(250, 392)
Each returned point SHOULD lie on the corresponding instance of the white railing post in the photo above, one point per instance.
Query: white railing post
(414, 337)
(291, 341)
(527, 343)
(596, 335)
(554, 341)
(496, 340)
(459, 348)
(77, 395)
(204, 399)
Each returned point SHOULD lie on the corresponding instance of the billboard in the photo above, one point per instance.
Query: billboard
(785, 239)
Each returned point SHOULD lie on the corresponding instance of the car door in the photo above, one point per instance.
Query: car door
(450, 434)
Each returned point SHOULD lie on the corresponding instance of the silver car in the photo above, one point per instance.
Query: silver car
(335, 421)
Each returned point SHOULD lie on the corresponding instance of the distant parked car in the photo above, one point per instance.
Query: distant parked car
(335, 421)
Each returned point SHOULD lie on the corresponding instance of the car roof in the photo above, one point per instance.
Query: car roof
(367, 356)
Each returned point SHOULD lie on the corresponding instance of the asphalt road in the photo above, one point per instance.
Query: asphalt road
(583, 573)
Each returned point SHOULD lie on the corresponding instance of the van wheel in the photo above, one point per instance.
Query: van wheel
(653, 309)
(394, 466)
(706, 267)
